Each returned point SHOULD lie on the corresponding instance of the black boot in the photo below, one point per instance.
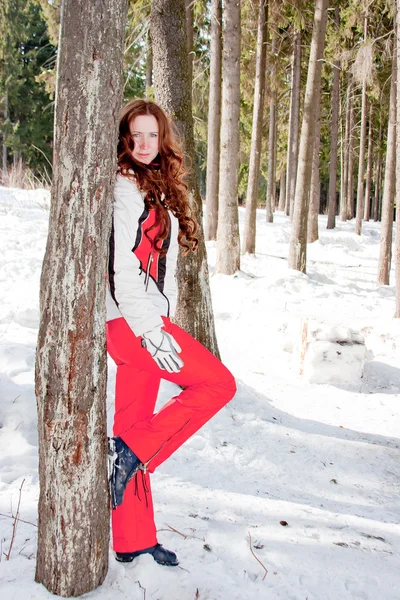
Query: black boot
(123, 464)
(160, 555)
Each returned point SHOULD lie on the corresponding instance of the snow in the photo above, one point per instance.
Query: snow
(324, 458)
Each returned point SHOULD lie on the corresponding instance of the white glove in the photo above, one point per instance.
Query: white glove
(164, 349)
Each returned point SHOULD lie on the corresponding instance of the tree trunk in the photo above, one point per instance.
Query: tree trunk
(368, 180)
(173, 91)
(397, 142)
(71, 362)
(298, 239)
(385, 250)
(345, 154)
(228, 245)
(315, 190)
(332, 199)
(214, 121)
(361, 157)
(350, 161)
(378, 172)
(4, 149)
(282, 190)
(249, 235)
(149, 66)
(294, 118)
(189, 36)
(270, 196)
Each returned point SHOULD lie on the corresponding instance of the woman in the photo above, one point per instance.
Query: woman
(152, 217)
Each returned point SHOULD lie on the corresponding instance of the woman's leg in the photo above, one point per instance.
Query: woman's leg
(133, 524)
(208, 387)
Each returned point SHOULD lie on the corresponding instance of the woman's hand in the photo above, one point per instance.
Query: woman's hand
(164, 349)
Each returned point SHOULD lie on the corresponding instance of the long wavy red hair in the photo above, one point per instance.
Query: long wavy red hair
(162, 182)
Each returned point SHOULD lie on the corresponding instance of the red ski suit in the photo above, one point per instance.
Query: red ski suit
(207, 384)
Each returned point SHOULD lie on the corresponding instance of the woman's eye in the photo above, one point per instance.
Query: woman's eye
(154, 135)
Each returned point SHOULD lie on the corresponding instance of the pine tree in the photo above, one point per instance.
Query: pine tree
(71, 362)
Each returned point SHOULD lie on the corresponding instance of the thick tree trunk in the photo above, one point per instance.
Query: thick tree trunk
(332, 201)
(294, 118)
(149, 66)
(282, 190)
(298, 238)
(249, 235)
(71, 361)
(368, 179)
(173, 91)
(315, 189)
(361, 156)
(228, 245)
(270, 195)
(214, 121)
(385, 251)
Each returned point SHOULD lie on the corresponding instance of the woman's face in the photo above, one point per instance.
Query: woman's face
(145, 133)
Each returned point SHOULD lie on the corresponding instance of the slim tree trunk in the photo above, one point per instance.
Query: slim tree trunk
(249, 235)
(189, 36)
(228, 246)
(385, 250)
(345, 153)
(294, 118)
(350, 162)
(71, 362)
(361, 157)
(173, 91)
(397, 142)
(315, 190)
(214, 121)
(149, 66)
(4, 149)
(270, 196)
(332, 201)
(368, 180)
(282, 190)
(298, 238)
(378, 170)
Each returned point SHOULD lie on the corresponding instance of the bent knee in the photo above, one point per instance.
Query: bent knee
(227, 388)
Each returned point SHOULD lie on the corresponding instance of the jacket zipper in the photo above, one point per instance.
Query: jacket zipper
(146, 281)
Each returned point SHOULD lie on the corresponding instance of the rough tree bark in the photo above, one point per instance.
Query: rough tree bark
(214, 121)
(332, 201)
(249, 235)
(270, 195)
(298, 239)
(228, 245)
(315, 192)
(361, 156)
(368, 178)
(71, 363)
(294, 118)
(172, 89)
(385, 250)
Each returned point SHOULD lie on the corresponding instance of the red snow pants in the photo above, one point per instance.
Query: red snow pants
(208, 386)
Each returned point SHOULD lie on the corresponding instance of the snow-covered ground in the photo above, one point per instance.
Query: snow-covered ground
(323, 458)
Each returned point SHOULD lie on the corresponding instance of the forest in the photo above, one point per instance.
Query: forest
(325, 136)
(288, 113)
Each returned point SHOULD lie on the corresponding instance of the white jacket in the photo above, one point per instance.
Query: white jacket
(141, 283)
